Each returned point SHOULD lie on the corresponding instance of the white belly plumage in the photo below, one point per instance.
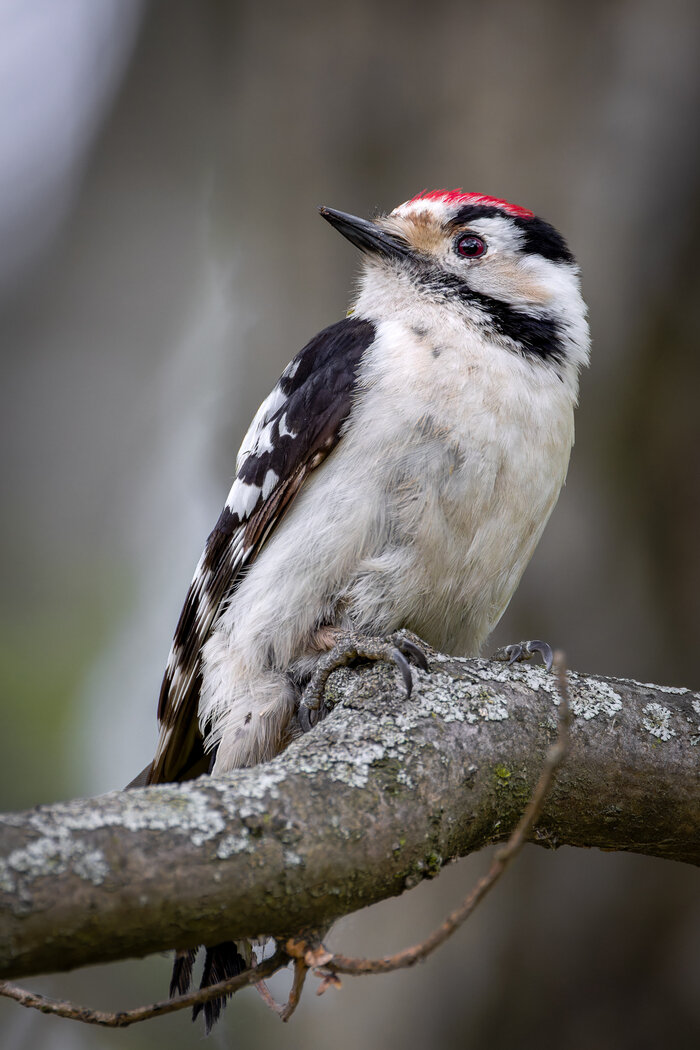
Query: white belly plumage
(419, 521)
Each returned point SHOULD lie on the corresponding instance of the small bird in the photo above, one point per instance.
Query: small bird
(398, 477)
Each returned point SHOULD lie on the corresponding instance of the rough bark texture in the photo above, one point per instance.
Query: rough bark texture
(379, 796)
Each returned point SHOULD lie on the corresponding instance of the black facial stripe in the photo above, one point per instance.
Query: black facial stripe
(538, 336)
(539, 238)
(535, 336)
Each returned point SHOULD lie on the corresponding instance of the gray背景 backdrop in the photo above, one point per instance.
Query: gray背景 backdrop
(160, 169)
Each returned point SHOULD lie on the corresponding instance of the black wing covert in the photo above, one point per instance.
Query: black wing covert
(295, 428)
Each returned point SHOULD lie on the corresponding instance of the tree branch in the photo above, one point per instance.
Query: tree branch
(307, 954)
(375, 799)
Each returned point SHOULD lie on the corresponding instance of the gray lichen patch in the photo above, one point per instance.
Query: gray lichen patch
(255, 790)
(293, 859)
(353, 756)
(354, 753)
(696, 709)
(695, 739)
(259, 783)
(592, 698)
(190, 812)
(349, 764)
(534, 676)
(356, 746)
(439, 695)
(61, 843)
(656, 719)
(679, 690)
(187, 810)
(48, 856)
(91, 866)
(589, 698)
(231, 845)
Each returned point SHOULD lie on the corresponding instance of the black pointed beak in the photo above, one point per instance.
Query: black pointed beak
(366, 235)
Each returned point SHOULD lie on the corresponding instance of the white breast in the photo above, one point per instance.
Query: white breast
(429, 509)
(466, 445)
(424, 516)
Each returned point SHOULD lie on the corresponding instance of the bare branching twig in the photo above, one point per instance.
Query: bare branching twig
(124, 1018)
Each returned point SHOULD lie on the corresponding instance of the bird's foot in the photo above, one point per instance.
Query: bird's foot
(525, 651)
(397, 649)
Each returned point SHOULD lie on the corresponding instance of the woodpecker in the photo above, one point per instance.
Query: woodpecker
(398, 476)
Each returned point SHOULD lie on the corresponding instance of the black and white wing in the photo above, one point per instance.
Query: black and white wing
(294, 430)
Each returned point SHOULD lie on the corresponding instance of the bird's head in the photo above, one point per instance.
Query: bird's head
(494, 265)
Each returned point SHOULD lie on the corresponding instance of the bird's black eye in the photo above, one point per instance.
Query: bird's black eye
(470, 247)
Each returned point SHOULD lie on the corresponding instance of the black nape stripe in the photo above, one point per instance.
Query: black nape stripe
(539, 238)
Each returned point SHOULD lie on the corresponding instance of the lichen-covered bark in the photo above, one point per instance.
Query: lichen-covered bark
(379, 796)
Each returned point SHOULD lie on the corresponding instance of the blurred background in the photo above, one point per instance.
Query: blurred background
(162, 259)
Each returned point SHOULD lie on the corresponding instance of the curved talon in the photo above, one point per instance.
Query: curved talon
(525, 650)
(409, 648)
(545, 651)
(306, 717)
(404, 667)
(514, 653)
(351, 647)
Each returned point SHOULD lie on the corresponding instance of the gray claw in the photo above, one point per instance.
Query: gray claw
(514, 653)
(545, 651)
(414, 651)
(405, 669)
(350, 648)
(307, 718)
(525, 650)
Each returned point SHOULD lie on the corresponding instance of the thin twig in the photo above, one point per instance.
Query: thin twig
(300, 972)
(268, 998)
(503, 857)
(124, 1018)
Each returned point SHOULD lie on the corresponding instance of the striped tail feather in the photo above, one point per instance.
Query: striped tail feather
(220, 962)
(182, 971)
